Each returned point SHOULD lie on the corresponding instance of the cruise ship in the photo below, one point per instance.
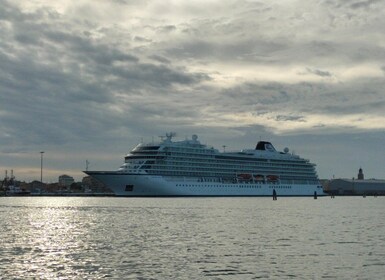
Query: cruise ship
(189, 168)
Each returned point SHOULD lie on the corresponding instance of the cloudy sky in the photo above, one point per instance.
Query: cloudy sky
(87, 80)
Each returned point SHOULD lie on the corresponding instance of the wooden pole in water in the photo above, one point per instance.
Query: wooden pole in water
(274, 195)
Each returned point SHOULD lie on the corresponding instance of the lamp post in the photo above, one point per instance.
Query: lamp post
(41, 167)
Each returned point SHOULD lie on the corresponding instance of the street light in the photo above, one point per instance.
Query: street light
(41, 167)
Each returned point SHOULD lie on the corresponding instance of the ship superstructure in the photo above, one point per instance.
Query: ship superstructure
(189, 168)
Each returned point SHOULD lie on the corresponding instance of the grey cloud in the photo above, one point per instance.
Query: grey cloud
(142, 39)
(342, 109)
(69, 82)
(85, 49)
(304, 98)
(248, 98)
(125, 2)
(248, 50)
(166, 28)
(254, 39)
(352, 5)
(290, 118)
(160, 59)
(319, 72)
(150, 76)
(364, 4)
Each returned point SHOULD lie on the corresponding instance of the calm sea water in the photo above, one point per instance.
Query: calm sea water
(192, 238)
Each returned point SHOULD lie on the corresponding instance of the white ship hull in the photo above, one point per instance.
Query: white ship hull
(146, 185)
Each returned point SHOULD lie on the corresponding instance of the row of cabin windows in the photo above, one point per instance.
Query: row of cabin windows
(233, 186)
(190, 151)
(310, 176)
(215, 162)
(224, 161)
(204, 167)
(253, 160)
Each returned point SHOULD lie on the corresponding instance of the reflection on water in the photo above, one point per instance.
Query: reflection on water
(192, 238)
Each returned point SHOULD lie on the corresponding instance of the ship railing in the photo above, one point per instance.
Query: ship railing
(301, 182)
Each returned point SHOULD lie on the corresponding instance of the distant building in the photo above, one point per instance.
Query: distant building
(358, 186)
(53, 187)
(37, 186)
(25, 186)
(66, 181)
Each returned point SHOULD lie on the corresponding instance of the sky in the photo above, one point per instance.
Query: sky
(88, 80)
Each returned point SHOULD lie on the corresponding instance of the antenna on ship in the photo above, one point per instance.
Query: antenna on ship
(169, 135)
(224, 148)
(87, 163)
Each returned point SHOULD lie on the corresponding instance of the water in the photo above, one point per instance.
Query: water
(192, 238)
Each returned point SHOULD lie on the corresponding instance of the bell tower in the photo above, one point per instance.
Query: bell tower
(360, 175)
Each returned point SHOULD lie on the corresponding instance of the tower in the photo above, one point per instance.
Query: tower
(360, 175)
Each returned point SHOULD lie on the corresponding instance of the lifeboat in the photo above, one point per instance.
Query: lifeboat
(272, 178)
(244, 176)
(259, 177)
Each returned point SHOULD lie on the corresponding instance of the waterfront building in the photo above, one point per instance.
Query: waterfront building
(66, 181)
(359, 186)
